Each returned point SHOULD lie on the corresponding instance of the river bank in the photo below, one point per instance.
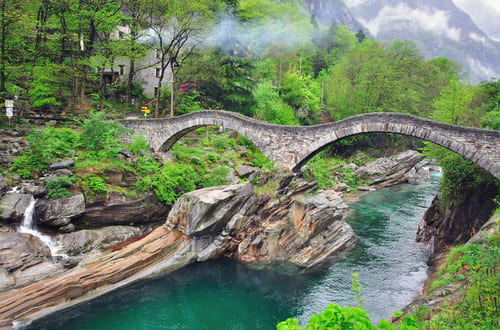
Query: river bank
(222, 294)
(145, 256)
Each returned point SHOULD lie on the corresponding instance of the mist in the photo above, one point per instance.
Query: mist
(252, 38)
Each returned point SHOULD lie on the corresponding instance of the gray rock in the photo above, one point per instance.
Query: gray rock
(125, 152)
(245, 171)
(35, 190)
(390, 171)
(23, 260)
(3, 185)
(12, 206)
(84, 241)
(118, 209)
(364, 188)
(61, 172)
(67, 163)
(59, 212)
(351, 166)
(341, 187)
(208, 210)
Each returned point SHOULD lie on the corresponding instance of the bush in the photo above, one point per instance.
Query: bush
(173, 180)
(58, 188)
(46, 146)
(95, 183)
(99, 133)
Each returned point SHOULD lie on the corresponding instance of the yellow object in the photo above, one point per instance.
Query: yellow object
(9, 117)
(145, 110)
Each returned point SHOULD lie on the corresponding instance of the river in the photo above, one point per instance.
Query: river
(223, 294)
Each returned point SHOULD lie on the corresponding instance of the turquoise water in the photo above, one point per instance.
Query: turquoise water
(222, 294)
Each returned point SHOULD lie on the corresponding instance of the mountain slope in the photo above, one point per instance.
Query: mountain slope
(438, 27)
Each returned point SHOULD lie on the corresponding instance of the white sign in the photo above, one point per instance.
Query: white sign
(9, 112)
(9, 103)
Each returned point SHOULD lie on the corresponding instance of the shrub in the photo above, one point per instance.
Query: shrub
(95, 183)
(58, 187)
(46, 146)
(99, 133)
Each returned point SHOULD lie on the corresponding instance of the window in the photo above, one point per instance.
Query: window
(121, 69)
(156, 91)
(158, 73)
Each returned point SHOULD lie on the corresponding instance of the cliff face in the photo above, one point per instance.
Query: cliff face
(292, 226)
(328, 12)
(458, 223)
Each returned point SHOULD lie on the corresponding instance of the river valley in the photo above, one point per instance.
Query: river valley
(223, 294)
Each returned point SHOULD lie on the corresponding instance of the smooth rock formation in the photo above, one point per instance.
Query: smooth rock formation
(59, 212)
(23, 260)
(385, 172)
(84, 241)
(12, 207)
(159, 251)
(118, 209)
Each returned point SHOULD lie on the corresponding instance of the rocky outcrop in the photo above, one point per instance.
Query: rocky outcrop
(390, 171)
(23, 260)
(59, 212)
(119, 209)
(293, 227)
(84, 241)
(445, 225)
(12, 207)
(12, 144)
(161, 250)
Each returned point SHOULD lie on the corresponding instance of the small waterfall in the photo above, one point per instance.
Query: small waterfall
(28, 227)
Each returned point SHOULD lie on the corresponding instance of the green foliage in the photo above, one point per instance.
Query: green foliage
(95, 184)
(43, 93)
(453, 103)
(461, 177)
(58, 188)
(98, 133)
(173, 180)
(357, 290)
(270, 107)
(476, 267)
(139, 144)
(46, 146)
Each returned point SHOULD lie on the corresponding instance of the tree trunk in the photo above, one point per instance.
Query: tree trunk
(2, 49)
(130, 82)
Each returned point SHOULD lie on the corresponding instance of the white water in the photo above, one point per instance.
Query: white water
(28, 227)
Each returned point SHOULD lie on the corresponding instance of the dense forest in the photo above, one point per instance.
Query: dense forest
(268, 59)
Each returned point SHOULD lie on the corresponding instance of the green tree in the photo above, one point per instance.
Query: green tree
(451, 106)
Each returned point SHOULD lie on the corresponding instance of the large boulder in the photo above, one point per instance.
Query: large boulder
(117, 208)
(12, 207)
(23, 260)
(390, 171)
(59, 212)
(207, 211)
(84, 241)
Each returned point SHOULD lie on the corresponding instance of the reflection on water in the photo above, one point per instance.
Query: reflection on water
(225, 295)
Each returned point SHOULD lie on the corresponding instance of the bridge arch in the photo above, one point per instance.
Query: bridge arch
(293, 146)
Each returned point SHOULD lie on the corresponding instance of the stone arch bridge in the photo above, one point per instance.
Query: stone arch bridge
(293, 146)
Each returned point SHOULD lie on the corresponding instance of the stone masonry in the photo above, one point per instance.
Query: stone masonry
(293, 146)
